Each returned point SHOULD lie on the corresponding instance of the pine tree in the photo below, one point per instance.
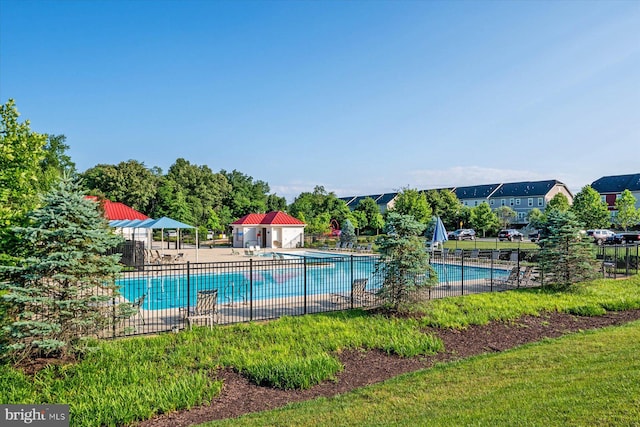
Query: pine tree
(61, 291)
(404, 263)
(348, 232)
(567, 257)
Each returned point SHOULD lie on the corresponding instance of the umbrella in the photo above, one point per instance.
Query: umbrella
(439, 232)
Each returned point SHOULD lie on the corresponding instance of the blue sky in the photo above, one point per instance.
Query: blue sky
(361, 97)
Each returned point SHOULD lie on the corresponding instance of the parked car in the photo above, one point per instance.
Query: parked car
(510, 234)
(534, 236)
(462, 234)
(624, 237)
(600, 236)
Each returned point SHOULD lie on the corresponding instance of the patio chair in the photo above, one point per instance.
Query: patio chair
(137, 307)
(358, 290)
(205, 308)
(475, 254)
(510, 280)
(527, 277)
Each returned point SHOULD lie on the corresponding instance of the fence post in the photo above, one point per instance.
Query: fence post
(351, 279)
(462, 273)
(188, 292)
(304, 269)
(250, 289)
(491, 274)
(518, 265)
(113, 309)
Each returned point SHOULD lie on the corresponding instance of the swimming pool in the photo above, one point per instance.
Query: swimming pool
(166, 292)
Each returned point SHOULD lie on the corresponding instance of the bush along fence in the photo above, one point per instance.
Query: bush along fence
(168, 297)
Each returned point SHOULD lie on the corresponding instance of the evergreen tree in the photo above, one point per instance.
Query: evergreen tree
(60, 292)
(566, 256)
(348, 232)
(404, 264)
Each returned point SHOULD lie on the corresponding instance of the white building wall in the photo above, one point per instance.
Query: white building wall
(292, 237)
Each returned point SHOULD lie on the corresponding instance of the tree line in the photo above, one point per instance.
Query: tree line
(30, 163)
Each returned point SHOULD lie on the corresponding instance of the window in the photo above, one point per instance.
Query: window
(475, 203)
(521, 216)
(492, 202)
(502, 202)
(603, 198)
(511, 202)
(540, 201)
(530, 200)
(517, 202)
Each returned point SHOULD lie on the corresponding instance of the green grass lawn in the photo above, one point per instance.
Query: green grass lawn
(135, 378)
(489, 245)
(586, 379)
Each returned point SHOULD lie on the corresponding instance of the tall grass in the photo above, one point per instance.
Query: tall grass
(584, 379)
(133, 379)
(591, 298)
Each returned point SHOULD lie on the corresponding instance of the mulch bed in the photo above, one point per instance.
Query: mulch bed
(361, 368)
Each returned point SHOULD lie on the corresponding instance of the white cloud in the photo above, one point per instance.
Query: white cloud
(459, 176)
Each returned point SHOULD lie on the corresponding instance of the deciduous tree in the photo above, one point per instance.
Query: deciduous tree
(130, 182)
(505, 215)
(627, 215)
(413, 202)
(558, 202)
(590, 209)
(483, 218)
(22, 153)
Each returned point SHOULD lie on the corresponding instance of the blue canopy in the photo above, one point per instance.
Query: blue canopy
(166, 222)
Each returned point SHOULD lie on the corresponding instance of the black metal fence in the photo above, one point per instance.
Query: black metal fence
(619, 260)
(166, 295)
(290, 285)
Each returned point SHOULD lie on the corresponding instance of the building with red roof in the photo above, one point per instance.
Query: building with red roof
(116, 210)
(271, 230)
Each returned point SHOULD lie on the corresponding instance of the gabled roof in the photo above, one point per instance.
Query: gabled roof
(117, 210)
(271, 218)
(385, 198)
(356, 200)
(475, 191)
(617, 183)
(526, 188)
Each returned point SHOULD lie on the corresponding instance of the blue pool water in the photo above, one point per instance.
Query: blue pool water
(237, 287)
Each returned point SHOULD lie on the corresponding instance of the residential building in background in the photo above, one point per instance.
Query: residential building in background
(522, 197)
(611, 187)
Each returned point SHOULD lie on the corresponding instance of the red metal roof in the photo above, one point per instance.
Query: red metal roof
(117, 210)
(271, 218)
